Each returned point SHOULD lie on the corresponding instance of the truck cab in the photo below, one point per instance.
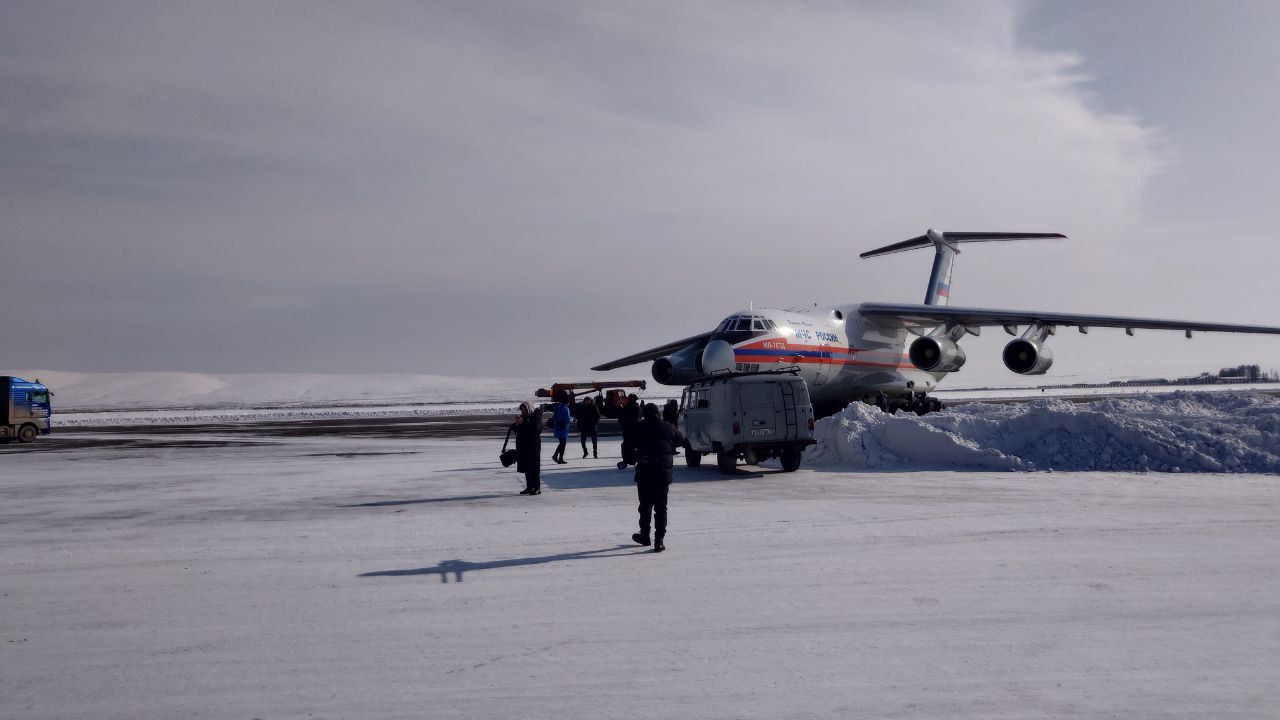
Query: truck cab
(24, 409)
(753, 416)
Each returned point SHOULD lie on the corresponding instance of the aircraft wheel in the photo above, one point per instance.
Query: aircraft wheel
(692, 457)
(28, 433)
(791, 459)
(727, 462)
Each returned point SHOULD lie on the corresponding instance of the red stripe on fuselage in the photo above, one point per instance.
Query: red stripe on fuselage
(779, 350)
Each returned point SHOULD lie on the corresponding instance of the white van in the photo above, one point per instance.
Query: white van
(755, 416)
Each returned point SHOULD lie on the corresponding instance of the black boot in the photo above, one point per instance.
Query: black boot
(640, 538)
(658, 546)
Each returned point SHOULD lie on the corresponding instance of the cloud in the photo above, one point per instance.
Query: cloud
(451, 168)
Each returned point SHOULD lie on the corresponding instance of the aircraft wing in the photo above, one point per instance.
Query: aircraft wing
(927, 316)
(652, 353)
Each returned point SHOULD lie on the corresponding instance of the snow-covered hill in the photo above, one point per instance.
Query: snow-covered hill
(74, 391)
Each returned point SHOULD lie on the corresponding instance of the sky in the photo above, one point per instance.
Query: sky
(530, 189)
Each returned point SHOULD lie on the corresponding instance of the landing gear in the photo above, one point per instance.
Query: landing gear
(924, 405)
(919, 404)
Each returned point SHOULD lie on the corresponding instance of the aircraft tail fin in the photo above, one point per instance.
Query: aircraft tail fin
(945, 251)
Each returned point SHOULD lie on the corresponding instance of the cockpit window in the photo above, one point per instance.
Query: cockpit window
(740, 328)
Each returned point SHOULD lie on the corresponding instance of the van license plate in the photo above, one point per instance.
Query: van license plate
(758, 432)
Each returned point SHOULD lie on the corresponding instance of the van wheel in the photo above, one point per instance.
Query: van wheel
(727, 462)
(28, 433)
(791, 459)
(692, 457)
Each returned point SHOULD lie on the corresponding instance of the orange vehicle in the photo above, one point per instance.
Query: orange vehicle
(610, 396)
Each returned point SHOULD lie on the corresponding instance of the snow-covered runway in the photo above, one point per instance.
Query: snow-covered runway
(230, 577)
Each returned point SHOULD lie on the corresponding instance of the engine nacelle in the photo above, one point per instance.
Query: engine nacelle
(679, 368)
(1027, 357)
(936, 354)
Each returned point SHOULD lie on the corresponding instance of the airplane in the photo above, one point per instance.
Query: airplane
(890, 354)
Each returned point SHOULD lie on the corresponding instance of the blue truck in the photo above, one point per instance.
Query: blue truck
(24, 409)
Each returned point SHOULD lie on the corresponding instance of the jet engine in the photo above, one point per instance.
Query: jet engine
(679, 368)
(1027, 357)
(936, 354)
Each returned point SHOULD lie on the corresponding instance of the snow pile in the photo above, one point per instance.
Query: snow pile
(1179, 432)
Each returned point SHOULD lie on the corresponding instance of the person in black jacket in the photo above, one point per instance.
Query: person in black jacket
(671, 412)
(588, 420)
(528, 430)
(628, 419)
(655, 444)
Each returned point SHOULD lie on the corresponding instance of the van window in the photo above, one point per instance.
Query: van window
(40, 397)
(758, 394)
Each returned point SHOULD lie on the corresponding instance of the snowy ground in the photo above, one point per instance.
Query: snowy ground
(212, 576)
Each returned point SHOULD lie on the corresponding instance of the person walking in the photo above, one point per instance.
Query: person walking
(560, 421)
(628, 419)
(588, 421)
(528, 430)
(655, 444)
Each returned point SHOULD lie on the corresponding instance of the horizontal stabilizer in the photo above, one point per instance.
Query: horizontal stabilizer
(933, 237)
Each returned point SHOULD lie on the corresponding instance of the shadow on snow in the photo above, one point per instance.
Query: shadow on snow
(419, 501)
(458, 567)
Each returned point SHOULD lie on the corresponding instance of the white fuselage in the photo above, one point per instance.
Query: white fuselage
(842, 355)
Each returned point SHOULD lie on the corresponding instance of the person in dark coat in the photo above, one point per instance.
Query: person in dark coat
(588, 420)
(560, 422)
(655, 444)
(628, 419)
(671, 412)
(528, 430)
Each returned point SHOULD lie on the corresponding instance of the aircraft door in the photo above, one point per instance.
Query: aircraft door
(824, 366)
